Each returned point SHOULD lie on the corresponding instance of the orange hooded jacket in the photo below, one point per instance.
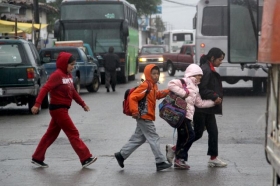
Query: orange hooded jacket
(150, 106)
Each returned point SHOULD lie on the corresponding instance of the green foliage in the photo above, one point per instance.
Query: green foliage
(51, 17)
(159, 24)
(145, 7)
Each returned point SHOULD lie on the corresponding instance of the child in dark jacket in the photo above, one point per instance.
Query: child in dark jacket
(145, 129)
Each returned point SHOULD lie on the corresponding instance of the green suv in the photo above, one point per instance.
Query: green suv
(21, 73)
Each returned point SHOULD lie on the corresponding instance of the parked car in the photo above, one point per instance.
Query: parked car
(21, 73)
(179, 61)
(151, 54)
(86, 73)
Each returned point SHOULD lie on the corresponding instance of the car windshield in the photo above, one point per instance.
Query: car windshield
(10, 54)
(50, 56)
(152, 50)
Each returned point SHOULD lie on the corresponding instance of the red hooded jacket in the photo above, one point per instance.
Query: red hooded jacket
(60, 85)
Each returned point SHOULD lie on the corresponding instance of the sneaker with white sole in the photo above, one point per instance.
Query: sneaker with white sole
(170, 153)
(89, 161)
(181, 164)
(39, 163)
(216, 163)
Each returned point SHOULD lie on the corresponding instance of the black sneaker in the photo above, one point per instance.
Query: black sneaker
(108, 90)
(119, 159)
(89, 161)
(163, 165)
(39, 163)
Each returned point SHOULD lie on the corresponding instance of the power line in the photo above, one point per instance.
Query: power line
(180, 3)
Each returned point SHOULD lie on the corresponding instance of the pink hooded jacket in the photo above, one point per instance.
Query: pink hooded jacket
(193, 98)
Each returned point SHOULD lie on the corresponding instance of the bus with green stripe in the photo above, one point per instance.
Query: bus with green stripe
(101, 24)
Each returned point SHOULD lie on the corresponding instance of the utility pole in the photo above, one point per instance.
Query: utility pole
(36, 20)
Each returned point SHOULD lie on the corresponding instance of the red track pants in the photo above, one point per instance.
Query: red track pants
(61, 120)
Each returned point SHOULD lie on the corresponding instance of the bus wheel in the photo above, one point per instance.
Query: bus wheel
(258, 85)
(131, 78)
(94, 85)
(77, 84)
(122, 79)
(170, 69)
(275, 178)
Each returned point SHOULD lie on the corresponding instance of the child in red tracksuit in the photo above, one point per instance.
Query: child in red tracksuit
(62, 91)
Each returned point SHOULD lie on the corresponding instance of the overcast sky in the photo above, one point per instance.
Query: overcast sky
(178, 16)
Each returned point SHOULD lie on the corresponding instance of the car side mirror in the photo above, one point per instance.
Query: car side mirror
(90, 58)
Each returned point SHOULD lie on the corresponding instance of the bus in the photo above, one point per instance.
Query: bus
(101, 24)
(211, 25)
(174, 39)
(264, 49)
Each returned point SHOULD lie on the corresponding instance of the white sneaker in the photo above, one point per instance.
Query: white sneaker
(170, 153)
(216, 163)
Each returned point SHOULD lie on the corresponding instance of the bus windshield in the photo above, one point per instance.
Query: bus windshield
(99, 35)
(91, 11)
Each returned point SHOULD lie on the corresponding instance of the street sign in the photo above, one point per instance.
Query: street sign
(159, 10)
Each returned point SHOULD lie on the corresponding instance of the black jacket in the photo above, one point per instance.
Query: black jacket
(111, 62)
(210, 87)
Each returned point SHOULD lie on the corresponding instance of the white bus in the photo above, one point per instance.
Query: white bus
(174, 39)
(211, 27)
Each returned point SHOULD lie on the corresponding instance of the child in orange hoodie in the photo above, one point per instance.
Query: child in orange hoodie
(145, 129)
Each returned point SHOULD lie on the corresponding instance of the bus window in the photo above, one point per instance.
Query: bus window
(214, 21)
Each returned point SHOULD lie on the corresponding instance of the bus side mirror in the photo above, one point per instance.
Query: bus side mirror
(125, 28)
(57, 29)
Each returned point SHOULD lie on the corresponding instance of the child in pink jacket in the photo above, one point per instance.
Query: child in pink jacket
(185, 133)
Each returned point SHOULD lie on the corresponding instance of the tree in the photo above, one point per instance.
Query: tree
(51, 17)
(145, 7)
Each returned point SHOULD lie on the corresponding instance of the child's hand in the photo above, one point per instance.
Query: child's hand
(86, 108)
(218, 101)
(34, 110)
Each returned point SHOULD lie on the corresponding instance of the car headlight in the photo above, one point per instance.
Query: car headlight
(160, 59)
(142, 59)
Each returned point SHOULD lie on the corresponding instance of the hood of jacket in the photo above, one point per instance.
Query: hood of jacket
(62, 61)
(192, 70)
(147, 72)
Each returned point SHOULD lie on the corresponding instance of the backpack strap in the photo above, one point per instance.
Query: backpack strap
(149, 87)
(184, 85)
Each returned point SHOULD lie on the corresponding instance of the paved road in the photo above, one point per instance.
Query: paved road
(105, 129)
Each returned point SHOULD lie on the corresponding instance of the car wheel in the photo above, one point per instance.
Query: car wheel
(45, 103)
(141, 69)
(170, 69)
(31, 103)
(94, 86)
(77, 84)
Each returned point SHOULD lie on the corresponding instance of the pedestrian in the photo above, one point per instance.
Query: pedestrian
(185, 132)
(145, 128)
(61, 89)
(210, 88)
(111, 63)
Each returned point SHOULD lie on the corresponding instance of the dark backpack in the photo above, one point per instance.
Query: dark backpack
(141, 103)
